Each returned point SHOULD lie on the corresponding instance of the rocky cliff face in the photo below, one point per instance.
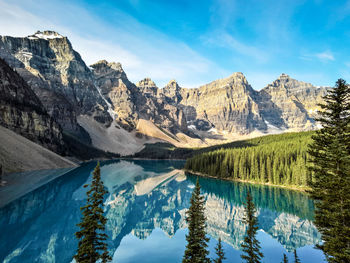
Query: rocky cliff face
(22, 111)
(229, 104)
(57, 75)
(102, 101)
(291, 104)
(134, 102)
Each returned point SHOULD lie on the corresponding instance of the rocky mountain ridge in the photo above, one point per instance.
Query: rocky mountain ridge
(101, 106)
(57, 75)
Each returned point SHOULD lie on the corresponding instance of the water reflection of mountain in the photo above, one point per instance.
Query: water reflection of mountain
(144, 195)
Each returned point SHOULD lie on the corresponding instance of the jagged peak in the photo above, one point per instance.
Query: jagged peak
(172, 84)
(46, 34)
(104, 64)
(146, 82)
(284, 77)
(284, 81)
(237, 74)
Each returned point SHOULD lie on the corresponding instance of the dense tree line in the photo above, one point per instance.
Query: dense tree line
(276, 159)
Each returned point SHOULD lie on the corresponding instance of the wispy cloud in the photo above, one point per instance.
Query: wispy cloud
(225, 40)
(324, 56)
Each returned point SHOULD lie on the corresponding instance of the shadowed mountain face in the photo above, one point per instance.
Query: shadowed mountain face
(22, 112)
(119, 116)
(143, 196)
(57, 75)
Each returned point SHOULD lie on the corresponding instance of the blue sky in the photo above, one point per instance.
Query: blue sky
(196, 42)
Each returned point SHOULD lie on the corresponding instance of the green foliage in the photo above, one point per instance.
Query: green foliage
(330, 164)
(276, 159)
(285, 259)
(196, 248)
(92, 239)
(296, 258)
(251, 246)
(219, 253)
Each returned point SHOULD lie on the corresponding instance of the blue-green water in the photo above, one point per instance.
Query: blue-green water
(145, 207)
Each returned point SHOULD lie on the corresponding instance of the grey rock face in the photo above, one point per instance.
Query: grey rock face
(133, 102)
(290, 103)
(229, 104)
(58, 76)
(22, 111)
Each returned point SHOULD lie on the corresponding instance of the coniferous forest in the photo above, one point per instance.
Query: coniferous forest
(274, 159)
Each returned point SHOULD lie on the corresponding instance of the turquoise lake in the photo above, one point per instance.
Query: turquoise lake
(145, 207)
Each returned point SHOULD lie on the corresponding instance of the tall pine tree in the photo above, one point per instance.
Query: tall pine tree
(92, 239)
(219, 253)
(196, 248)
(251, 246)
(330, 158)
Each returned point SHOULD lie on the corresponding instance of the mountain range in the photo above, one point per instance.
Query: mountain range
(50, 96)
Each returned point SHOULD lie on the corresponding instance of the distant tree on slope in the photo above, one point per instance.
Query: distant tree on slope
(330, 165)
(92, 239)
(251, 246)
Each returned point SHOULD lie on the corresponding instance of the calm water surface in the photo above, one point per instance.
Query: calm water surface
(145, 207)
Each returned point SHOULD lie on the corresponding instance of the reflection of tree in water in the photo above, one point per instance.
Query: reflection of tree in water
(41, 225)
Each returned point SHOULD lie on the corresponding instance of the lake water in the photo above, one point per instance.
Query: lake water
(145, 207)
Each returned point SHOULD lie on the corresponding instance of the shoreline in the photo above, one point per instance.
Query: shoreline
(149, 159)
(21, 183)
(294, 188)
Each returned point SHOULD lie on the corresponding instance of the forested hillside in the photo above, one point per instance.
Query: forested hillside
(275, 159)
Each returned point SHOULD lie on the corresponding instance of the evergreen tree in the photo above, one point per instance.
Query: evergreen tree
(276, 159)
(196, 248)
(92, 239)
(251, 246)
(296, 258)
(285, 259)
(330, 152)
(219, 252)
